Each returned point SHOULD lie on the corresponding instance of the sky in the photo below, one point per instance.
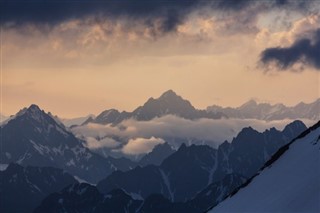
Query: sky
(75, 58)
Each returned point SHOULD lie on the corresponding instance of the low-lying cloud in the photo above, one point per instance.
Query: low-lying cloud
(139, 146)
(135, 136)
(93, 143)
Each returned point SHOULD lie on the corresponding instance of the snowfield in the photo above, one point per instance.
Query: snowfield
(290, 184)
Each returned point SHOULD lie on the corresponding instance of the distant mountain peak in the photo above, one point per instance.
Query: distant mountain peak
(34, 107)
(108, 111)
(266, 111)
(169, 93)
(293, 126)
(171, 97)
(182, 147)
(33, 111)
(34, 137)
(250, 103)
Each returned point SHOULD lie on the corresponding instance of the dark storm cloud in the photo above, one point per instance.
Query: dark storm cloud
(55, 11)
(170, 12)
(305, 51)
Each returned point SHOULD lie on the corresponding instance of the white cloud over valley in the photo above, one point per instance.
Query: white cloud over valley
(138, 137)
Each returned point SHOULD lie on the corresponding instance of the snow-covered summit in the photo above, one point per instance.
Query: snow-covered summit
(289, 181)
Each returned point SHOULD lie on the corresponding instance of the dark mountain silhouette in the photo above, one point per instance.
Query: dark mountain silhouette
(33, 137)
(291, 176)
(190, 180)
(169, 103)
(87, 199)
(157, 155)
(23, 188)
(191, 169)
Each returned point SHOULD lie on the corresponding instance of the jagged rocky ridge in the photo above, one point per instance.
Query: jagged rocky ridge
(33, 137)
(188, 161)
(86, 198)
(23, 188)
(291, 176)
(168, 103)
(157, 155)
(265, 111)
(198, 166)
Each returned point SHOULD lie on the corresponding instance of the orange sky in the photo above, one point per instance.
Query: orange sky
(75, 69)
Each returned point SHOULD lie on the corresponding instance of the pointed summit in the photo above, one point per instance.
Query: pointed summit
(168, 94)
(34, 137)
(169, 103)
(35, 112)
(34, 107)
(172, 97)
(183, 146)
(250, 103)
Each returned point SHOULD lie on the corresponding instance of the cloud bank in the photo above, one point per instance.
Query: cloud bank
(106, 142)
(139, 146)
(137, 137)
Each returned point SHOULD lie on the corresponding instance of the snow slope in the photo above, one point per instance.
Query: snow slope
(289, 184)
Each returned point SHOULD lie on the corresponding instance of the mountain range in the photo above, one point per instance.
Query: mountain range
(265, 111)
(197, 166)
(23, 188)
(45, 168)
(301, 154)
(33, 137)
(169, 103)
(69, 122)
(288, 182)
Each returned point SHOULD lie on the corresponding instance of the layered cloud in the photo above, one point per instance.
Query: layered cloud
(106, 142)
(137, 137)
(98, 32)
(139, 146)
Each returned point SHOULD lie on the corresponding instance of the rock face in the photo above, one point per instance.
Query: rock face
(23, 188)
(157, 155)
(186, 181)
(36, 138)
(191, 169)
(216, 192)
(291, 176)
(87, 199)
